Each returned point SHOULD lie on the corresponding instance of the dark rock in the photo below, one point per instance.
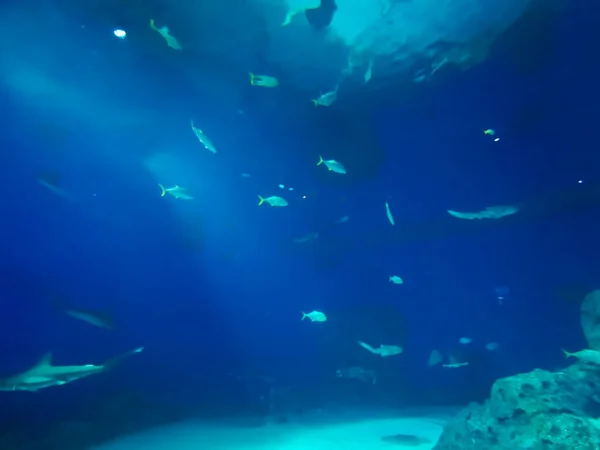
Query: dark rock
(538, 410)
(406, 440)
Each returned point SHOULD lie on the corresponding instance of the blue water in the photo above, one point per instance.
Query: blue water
(213, 288)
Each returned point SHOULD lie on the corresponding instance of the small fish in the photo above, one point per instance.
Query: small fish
(263, 80)
(273, 201)
(315, 316)
(290, 15)
(396, 279)
(491, 212)
(175, 191)
(203, 138)
(369, 72)
(343, 219)
(435, 358)
(465, 340)
(587, 355)
(383, 350)
(51, 182)
(96, 318)
(245, 175)
(489, 132)
(491, 346)
(455, 365)
(332, 165)
(388, 213)
(309, 237)
(166, 34)
(357, 373)
(326, 99)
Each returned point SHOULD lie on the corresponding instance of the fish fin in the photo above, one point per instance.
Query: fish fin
(162, 194)
(192, 123)
(320, 160)
(45, 361)
(152, 24)
(315, 101)
(567, 354)
(251, 78)
(304, 315)
(260, 200)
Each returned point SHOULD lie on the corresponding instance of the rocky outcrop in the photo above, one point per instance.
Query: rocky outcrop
(590, 319)
(539, 410)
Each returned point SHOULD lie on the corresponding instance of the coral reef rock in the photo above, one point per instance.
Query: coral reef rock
(538, 410)
(590, 319)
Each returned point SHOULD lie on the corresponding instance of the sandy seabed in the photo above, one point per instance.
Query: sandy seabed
(356, 430)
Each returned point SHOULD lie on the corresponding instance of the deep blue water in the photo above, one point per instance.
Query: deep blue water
(215, 286)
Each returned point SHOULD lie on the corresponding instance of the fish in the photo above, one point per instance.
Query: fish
(369, 72)
(343, 219)
(97, 318)
(491, 212)
(273, 201)
(586, 355)
(166, 34)
(489, 132)
(357, 373)
(203, 138)
(396, 279)
(435, 358)
(315, 316)
(326, 99)
(332, 165)
(453, 363)
(263, 80)
(383, 350)
(44, 374)
(388, 213)
(307, 238)
(491, 346)
(465, 340)
(176, 191)
(52, 183)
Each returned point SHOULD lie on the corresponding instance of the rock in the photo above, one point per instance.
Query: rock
(590, 319)
(538, 410)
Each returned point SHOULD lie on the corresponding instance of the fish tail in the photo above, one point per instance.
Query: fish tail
(320, 160)
(315, 101)
(251, 78)
(152, 24)
(118, 359)
(366, 346)
(260, 200)
(567, 354)
(304, 315)
(162, 194)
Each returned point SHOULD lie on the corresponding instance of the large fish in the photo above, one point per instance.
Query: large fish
(43, 374)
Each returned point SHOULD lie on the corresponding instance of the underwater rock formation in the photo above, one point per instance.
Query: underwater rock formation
(590, 319)
(537, 410)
